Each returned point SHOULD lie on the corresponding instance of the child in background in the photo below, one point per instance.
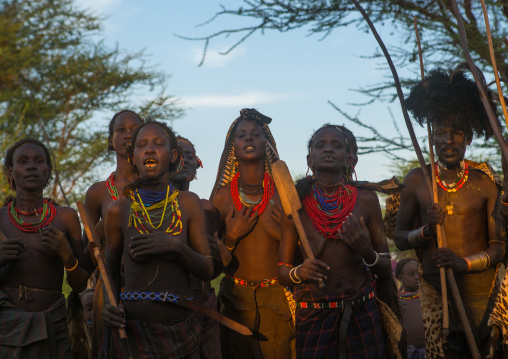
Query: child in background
(409, 300)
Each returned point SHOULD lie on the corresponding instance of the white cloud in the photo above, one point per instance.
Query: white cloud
(214, 58)
(245, 100)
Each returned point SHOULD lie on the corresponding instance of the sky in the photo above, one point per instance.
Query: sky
(289, 77)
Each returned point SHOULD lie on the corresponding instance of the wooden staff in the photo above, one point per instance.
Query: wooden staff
(93, 240)
(494, 64)
(481, 90)
(291, 204)
(423, 165)
(441, 239)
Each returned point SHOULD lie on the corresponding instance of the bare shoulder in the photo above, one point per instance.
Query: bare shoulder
(415, 176)
(189, 198)
(96, 191)
(483, 181)
(67, 213)
(116, 208)
(208, 206)
(222, 197)
(367, 197)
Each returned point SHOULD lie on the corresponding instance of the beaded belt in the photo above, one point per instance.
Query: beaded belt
(151, 296)
(336, 305)
(247, 283)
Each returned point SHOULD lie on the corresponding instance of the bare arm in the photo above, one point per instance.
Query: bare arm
(93, 207)
(496, 227)
(114, 245)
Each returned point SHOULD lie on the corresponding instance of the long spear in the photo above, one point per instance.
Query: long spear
(441, 239)
(423, 165)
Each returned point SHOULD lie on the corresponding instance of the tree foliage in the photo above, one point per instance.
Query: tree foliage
(54, 70)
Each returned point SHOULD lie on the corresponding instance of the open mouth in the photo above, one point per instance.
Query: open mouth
(328, 158)
(127, 144)
(150, 163)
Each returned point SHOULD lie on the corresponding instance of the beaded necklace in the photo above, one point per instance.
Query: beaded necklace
(461, 179)
(48, 213)
(328, 213)
(111, 186)
(240, 200)
(139, 206)
(409, 295)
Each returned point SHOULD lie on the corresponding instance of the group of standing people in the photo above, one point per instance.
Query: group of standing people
(163, 245)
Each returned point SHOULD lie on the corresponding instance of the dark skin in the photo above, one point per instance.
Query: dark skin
(97, 197)
(149, 257)
(409, 277)
(475, 219)
(255, 238)
(37, 259)
(338, 262)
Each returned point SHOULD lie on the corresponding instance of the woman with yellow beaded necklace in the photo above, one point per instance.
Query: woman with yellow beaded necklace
(160, 233)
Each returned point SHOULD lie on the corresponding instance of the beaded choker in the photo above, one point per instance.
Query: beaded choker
(47, 211)
(409, 295)
(240, 199)
(327, 213)
(461, 179)
(141, 199)
(111, 186)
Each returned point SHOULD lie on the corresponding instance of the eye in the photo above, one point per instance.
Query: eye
(120, 129)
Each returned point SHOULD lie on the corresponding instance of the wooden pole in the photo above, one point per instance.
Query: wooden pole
(439, 229)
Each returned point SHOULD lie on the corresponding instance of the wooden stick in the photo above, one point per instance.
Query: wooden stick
(93, 239)
(494, 64)
(421, 160)
(481, 90)
(439, 229)
(291, 204)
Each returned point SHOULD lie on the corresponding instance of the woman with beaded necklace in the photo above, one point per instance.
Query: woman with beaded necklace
(160, 233)
(345, 230)
(249, 206)
(101, 194)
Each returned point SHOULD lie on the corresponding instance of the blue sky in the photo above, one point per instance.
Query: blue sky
(288, 77)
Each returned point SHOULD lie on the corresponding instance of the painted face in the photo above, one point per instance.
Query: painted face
(123, 129)
(152, 152)
(250, 141)
(30, 169)
(328, 151)
(188, 171)
(450, 143)
(409, 277)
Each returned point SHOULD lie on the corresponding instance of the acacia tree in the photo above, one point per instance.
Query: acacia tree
(54, 70)
(437, 27)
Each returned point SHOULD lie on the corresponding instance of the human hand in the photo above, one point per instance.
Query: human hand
(239, 224)
(156, 243)
(219, 249)
(276, 213)
(113, 317)
(356, 235)
(10, 250)
(435, 216)
(312, 269)
(444, 257)
(57, 242)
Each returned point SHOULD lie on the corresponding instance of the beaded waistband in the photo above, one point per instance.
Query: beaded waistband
(336, 305)
(152, 296)
(247, 283)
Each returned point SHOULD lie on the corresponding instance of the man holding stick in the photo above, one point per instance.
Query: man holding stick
(469, 194)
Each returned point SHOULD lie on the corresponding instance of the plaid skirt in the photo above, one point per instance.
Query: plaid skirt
(317, 330)
(176, 339)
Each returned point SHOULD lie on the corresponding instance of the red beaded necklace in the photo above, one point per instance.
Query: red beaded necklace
(268, 189)
(327, 213)
(459, 182)
(111, 186)
(48, 213)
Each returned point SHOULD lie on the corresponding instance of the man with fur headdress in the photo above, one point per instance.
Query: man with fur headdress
(250, 209)
(468, 208)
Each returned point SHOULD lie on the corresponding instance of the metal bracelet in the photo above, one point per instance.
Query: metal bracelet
(292, 274)
(478, 262)
(375, 262)
(416, 237)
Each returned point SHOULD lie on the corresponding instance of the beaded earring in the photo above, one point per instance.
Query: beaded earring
(11, 185)
(180, 164)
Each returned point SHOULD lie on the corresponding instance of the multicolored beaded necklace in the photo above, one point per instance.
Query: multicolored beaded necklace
(141, 199)
(111, 186)
(409, 295)
(240, 200)
(461, 179)
(48, 212)
(327, 213)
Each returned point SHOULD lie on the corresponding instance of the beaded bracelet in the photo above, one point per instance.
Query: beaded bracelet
(285, 264)
(71, 269)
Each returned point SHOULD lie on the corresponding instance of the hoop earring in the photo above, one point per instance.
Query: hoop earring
(307, 174)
